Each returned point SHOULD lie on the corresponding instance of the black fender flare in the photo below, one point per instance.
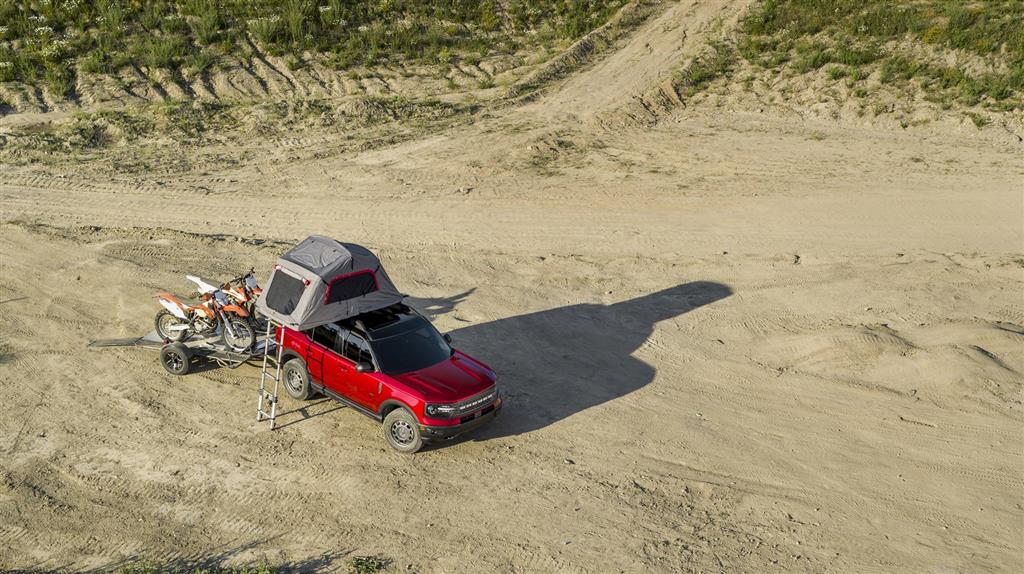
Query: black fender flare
(390, 405)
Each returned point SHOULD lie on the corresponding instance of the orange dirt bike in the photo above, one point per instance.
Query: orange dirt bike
(245, 290)
(180, 319)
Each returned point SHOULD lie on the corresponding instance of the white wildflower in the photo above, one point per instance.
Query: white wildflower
(6, 65)
(325, 9)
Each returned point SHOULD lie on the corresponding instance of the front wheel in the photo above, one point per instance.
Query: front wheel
(243, 338)
(164, 323)
(402, 431)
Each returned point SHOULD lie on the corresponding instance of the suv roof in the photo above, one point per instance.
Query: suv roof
(383, 322)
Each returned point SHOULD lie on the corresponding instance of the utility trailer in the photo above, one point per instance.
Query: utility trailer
(178, 358)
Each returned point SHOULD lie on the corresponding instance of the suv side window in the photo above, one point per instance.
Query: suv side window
(356, 349)
(325, 335)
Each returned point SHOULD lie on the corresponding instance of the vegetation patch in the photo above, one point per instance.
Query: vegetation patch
(47, 42)
(966, 53)
(718, 61)
(368, 564)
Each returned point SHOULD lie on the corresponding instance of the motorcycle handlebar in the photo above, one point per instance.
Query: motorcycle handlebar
(242, 277)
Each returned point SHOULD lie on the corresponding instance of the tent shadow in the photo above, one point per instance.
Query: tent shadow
(553, 364)
(434, 307)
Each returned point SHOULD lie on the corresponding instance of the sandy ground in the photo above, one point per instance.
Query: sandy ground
(734, 341)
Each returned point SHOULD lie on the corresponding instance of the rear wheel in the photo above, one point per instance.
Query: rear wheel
(296, 379)
(176, 359)
(164, 322)
(402, 431)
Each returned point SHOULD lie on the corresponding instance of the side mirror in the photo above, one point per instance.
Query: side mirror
(364, 367)
(447, 338)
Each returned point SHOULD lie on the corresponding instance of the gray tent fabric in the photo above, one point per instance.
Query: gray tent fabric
(321, 281)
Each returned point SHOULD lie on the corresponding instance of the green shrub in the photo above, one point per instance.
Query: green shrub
(161, 52)
(293, 14)
(837, 72)
(60, 81)
(265, 28)
(368, 564)
(205, 20)
(706, 68)
(200, 61)
(110, 17)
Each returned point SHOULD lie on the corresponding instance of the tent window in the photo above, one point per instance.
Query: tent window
(284, 292)
(351, 286)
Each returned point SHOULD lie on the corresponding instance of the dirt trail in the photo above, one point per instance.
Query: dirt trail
(663, 45)
(728, 343)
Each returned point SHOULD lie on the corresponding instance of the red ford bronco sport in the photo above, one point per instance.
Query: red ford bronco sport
(395, 367)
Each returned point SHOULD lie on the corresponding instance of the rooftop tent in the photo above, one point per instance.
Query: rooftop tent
(322, 281)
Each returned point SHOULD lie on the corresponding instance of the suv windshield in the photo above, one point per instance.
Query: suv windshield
(416, 348)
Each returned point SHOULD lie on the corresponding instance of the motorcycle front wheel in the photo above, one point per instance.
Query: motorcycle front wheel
(163, 323)
(244, 336)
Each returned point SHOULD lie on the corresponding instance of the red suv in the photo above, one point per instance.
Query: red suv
(395, 367)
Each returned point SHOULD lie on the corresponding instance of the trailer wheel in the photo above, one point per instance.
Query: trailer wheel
(402, 431)
(296, 379)
(176, 359)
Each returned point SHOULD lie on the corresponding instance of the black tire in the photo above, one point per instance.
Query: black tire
(176, 359)
(402, 431)
(295, 377)
(165, 319)
(245, 335)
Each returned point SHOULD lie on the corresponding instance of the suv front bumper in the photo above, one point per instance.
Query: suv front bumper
(434, 433)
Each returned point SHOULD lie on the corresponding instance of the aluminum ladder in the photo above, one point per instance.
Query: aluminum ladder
(266, 404)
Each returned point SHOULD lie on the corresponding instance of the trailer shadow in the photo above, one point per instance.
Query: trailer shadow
(216, 559)
(553, 364)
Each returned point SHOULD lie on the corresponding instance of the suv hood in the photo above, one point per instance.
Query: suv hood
(458, 378)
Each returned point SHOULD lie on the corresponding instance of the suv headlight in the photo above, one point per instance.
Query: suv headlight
(440, 411)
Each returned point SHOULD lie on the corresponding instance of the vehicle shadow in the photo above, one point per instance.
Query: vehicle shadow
(553, 364)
